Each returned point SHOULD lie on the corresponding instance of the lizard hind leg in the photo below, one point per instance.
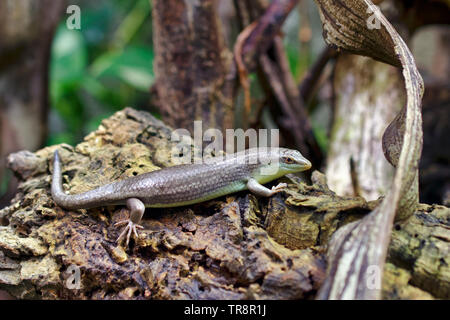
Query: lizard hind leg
(137, 209)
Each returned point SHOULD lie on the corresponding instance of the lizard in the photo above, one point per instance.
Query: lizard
(184, 184)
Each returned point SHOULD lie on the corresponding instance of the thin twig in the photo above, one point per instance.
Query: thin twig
(355, 181)
(243, 73)
(261, 37)
(313, 75)
(296, 101)
(272, 75)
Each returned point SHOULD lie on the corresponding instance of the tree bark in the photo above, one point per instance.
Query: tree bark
(26, 31)
(193, 67)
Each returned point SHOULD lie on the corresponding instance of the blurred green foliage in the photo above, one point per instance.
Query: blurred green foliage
(101, 68)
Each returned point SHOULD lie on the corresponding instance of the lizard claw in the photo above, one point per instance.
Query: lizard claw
(130, 229)
(279, 187)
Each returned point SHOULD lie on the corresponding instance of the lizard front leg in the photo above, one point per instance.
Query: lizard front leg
(137, 209)
(256, 188)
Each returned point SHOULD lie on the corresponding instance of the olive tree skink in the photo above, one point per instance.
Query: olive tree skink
(185, 184)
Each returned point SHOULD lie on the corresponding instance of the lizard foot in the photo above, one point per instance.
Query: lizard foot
(131, 228)
(278, 188)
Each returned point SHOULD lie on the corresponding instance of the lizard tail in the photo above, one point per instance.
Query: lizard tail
(85, 200)
(58, 195)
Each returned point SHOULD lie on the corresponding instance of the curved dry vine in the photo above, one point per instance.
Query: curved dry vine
(357, 251)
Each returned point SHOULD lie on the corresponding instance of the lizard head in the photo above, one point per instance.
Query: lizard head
(292, 160)
(276, 162)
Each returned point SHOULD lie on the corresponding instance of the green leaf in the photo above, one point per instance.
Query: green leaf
(133, 66)
(137, 78)
(95, 121)
(63, 137)
(69, 56)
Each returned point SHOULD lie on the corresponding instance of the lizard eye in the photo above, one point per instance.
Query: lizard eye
(287, 160)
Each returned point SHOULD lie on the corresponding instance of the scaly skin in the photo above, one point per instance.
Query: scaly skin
(185, 184)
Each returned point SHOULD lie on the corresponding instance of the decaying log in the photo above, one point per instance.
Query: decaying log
(234, 247)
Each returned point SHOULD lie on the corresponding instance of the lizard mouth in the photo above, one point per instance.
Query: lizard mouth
(305, 164)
